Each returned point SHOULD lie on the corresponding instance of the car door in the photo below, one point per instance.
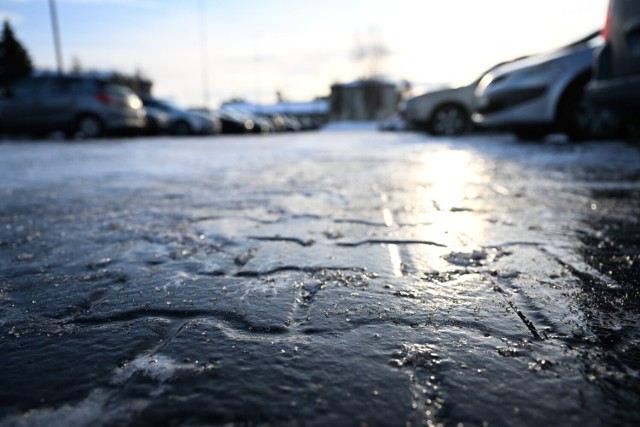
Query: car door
(19, 111)
(57, 106)
(625, 37)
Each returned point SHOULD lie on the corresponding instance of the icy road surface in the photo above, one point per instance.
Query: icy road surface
(329, 278)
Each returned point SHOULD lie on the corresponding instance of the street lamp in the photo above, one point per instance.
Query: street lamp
(203, 53)
(56, 35)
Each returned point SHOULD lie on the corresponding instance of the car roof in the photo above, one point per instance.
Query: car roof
(588, 42)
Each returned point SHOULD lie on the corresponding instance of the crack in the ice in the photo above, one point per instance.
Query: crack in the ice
(390, 242)
(253, 273)
(360, 222)
(304, 243)
(235, 217)
(528, 323)
(239, 321)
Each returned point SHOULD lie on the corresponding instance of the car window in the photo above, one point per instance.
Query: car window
(116, 89)
(169, 105)
(66, 86)
(160, 104)
(27, 88)
(152, 103)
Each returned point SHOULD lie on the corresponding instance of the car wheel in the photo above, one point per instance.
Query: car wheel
(89, 126)
(449, 120)
(581, 120)
(181, 128)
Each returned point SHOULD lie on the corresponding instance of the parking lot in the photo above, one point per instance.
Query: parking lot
(346, 277)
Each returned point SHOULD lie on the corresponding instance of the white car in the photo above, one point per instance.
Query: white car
(441, 112)
(543, 94)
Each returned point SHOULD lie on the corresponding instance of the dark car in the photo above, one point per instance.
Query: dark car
(211, 115)
(616, 82)
(78, 105)
(181, 121)
(235, 121)
(157, 121)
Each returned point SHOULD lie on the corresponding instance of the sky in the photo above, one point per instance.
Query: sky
(204, 52)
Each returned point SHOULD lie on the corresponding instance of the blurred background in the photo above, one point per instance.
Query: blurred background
(202, 53)
(247, 66)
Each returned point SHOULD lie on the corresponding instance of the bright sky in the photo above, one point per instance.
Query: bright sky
(256, 47)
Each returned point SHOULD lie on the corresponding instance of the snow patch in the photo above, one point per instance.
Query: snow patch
(156, 367)
(94, 410)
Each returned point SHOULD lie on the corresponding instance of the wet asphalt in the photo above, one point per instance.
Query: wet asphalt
(351, 278)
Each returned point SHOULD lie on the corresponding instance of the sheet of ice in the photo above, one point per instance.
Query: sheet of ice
(350, 125)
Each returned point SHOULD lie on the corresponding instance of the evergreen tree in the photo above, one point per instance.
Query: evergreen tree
(14, 59)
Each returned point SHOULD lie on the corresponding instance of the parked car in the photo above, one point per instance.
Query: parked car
(234, 121)
(157, 121)
(542, 94)
(261, 123)
(441, 112)
(291, 123)
(210, 114)
(181, 121)
(80, 106)
(616, 80)
(444, 111)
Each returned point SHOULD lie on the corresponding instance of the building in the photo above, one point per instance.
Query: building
(364, 100)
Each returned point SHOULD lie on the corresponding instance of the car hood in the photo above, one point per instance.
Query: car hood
(556, 55)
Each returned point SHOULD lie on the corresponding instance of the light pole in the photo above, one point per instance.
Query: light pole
(56, 35)
(203, 53)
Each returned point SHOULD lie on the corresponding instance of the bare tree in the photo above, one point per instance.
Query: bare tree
(76, 65)
(371, 51)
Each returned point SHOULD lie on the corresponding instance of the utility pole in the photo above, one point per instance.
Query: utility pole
(203, 53)
(56, 35)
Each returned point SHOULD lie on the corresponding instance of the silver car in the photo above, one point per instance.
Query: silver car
(541, 94)
(441, 112)
(80, 106)
(181, 122)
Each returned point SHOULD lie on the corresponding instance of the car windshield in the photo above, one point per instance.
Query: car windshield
(592, 38)
(168, 105)
(116, 89)
(476, 81)
(27, 87)
(233, 114)
(160, 104)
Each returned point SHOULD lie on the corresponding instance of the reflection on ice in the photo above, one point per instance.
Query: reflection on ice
(448, 181)
(450, 173)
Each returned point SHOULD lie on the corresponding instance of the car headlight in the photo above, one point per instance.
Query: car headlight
(135, 102)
